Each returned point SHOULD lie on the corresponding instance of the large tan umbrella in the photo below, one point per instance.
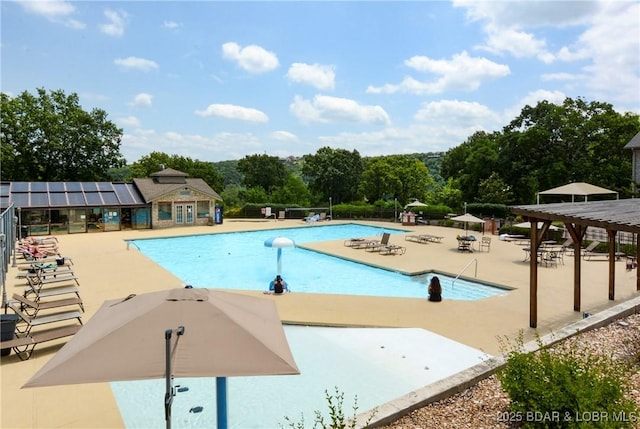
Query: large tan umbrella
(466, 218)
(416, 203)
(217, 334)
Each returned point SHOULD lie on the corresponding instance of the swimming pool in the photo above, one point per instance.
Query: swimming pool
(376, 365)
(240, 261)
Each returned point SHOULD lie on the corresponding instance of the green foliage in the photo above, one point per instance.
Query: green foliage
(395, 176)
(229, 171)
(49, 137)
(547, 145)
(565, 382)
(294, 191)
(194, 168)
(334, 173)
(488, 210)
(231, 195)
(263, 171)
(254, 195)
(337, 419)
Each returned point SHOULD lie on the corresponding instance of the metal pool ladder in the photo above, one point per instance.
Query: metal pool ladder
(465, 267)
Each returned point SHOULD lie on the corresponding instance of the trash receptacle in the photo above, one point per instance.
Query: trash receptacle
(7, 330)
(219, 215)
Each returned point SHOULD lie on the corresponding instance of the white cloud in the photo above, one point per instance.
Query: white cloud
(231, 111)
(218, 147)
(284, 136)
(252, 58)
(136, 63)
(462, 72)
(57, 11)
(532, 99)
(117, 21)
(171, 24)
(129, 121)
(142, 100)
(317, 75)
(463, 113)
(325, 109)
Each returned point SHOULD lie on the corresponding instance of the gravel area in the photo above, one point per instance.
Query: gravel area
(485, 405)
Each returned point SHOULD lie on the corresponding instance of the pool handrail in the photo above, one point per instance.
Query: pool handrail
(465, 267)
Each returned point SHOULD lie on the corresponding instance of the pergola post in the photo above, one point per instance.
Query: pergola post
(612, 263)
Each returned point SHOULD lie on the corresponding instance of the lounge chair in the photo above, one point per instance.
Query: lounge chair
(32, 308)
(417, 238)
(24, 344)
(353, 242)
(26, 322)
(589, 252)
(375, 245)
(392, 249)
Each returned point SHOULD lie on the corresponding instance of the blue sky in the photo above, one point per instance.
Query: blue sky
(219, 80)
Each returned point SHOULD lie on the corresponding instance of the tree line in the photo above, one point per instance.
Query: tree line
(49, 137)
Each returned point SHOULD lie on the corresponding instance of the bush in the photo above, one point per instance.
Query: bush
(337, 419)
(564, 388)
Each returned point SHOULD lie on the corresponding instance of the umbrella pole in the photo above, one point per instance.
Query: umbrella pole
(221, 402)
(279, 260)
(169, 393)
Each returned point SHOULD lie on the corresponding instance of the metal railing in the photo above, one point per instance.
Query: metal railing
(7, 247)
(465, 267)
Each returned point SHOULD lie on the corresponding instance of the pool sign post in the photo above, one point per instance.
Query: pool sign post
(279, 243)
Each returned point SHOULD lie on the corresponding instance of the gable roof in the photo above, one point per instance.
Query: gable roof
(634, 143)
(152, 190)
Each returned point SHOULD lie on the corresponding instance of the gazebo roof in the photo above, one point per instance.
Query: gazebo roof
(618, 215)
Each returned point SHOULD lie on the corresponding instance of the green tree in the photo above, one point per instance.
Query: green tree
(264, 171)
(49, 137)
(494, 190)
(550, 145)
(155, 161)
(229, 171)
(295, 191)
(333, 173)
(395, 176)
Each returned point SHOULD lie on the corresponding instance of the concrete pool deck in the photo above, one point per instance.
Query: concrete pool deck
(108, 269)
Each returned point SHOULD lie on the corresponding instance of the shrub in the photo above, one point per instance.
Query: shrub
(563, 387)
(337, 418)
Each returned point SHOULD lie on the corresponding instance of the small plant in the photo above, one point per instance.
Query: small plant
(336, 414)
(562, 387)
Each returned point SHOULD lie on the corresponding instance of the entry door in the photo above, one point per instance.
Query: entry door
(184, 214)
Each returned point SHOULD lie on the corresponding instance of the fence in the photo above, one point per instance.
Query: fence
(7, 244)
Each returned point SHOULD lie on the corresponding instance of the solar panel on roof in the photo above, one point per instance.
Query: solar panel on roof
(122, 191)
(39, 187)
(93, 198)
(73, 186)
(109, 198)
(104, 186)
(20, 199)
(39, 199)
(56, 187)
(20, 187)
(76, 199)
(4, 189)
(58, 199)
(89, 186)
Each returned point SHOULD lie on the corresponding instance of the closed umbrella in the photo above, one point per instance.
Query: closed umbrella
(279, 243)
(217, 334)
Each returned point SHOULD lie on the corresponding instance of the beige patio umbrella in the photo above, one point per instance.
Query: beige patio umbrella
(467, 218)
(218, 334)
(416, 203)
(576, 188)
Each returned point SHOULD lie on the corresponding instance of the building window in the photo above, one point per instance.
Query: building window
(164, 211)
(203, 209)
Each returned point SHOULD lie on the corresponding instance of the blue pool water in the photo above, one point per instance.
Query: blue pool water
(240, 261)
(376, 365)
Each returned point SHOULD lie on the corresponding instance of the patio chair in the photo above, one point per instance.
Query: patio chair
(485, 243)
(375, 245)
(392, 249)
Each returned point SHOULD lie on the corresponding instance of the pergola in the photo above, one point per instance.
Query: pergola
(611, 215)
